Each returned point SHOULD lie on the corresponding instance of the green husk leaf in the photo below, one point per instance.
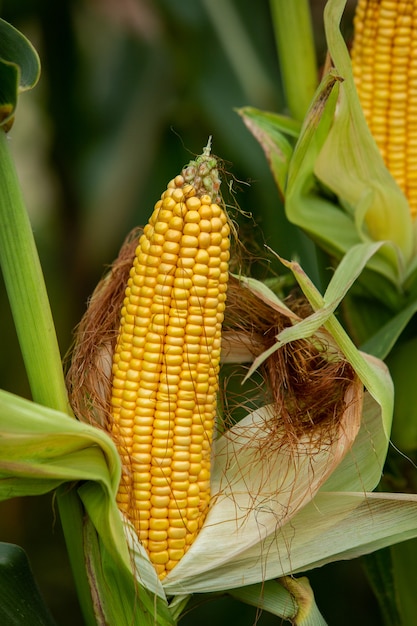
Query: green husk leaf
(42, 449)
(269, 596)
(307, 204)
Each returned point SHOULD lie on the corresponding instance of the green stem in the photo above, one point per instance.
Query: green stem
(32, 315)
(27, 292)
(296, 53)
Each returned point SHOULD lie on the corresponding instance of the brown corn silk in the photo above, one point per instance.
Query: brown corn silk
(384, 61)
(308, 381)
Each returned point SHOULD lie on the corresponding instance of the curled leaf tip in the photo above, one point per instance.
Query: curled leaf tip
(19, 70)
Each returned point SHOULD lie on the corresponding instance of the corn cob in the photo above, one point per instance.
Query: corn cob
(384, 60)
(166, 364)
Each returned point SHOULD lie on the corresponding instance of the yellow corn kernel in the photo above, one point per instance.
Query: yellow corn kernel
(165, 374)
(384, 61)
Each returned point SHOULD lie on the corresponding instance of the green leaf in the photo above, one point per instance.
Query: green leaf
(305, 205)
(270, 129)
(19, 70)
(128, 602)
(20, 601)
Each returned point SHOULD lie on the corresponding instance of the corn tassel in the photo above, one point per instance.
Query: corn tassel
(384, 60)
(166, 364)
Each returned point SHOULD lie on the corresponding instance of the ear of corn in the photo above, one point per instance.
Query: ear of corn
(166, 364)
(384, 59)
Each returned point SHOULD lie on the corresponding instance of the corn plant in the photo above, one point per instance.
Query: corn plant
(161, 492)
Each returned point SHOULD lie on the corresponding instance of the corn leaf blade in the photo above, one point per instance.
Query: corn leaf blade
(20, 599)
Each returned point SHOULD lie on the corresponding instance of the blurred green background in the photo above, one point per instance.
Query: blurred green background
(129, 92)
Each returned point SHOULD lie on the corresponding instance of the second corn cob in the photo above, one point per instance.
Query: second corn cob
(384, 60)
(166, 364)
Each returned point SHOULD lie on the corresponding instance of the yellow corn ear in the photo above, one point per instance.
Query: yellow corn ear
(384, 60)
(166, 364)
